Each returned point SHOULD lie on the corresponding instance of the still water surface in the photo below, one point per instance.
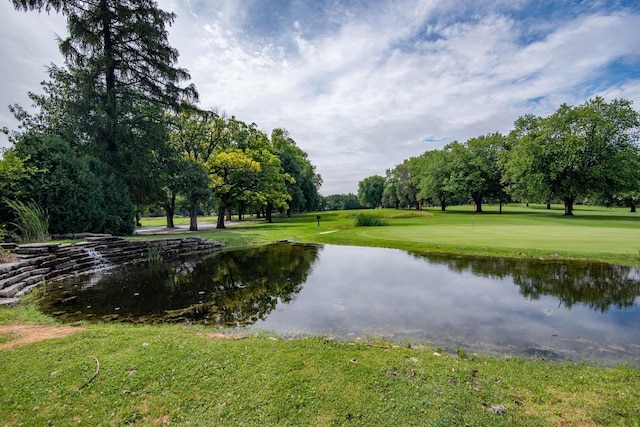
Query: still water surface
(553, 309)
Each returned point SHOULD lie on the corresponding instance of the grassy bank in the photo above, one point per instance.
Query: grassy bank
(596, 233)
(173, 375)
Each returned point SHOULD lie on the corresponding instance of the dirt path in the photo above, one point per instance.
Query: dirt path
(27, 334)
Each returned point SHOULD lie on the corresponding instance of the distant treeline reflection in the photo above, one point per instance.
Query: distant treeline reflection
(594, 284)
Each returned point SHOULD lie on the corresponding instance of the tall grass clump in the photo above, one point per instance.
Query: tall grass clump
(31, 220)
(363, 220)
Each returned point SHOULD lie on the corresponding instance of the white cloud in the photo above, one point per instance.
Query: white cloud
(377, 85)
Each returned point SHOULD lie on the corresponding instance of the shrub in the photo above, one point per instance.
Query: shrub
(363, 220)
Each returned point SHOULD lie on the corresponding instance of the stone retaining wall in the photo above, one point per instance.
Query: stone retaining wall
(51, 261)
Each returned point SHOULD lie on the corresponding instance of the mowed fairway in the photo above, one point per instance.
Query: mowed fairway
(518, 229)
(608, 234)
(598, 233)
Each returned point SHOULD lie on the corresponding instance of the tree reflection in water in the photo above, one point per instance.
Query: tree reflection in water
(233, 288)
(596, 285)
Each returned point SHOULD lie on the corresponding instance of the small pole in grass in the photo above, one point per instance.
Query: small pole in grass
(318, 218)
(473, 222)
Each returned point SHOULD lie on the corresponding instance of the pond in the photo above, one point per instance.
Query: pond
(551, 309)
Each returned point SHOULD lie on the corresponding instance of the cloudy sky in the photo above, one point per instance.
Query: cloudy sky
(362, 85)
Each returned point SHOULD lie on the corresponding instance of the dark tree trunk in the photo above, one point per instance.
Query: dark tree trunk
(170, 209)
(229, 214)
(633, 208)
(269, 212)
(288, 212)
(568, 206)
(193, 215)
(220, 223)
(110, 79)
(443, 204)
(477, 200)
(501, 201)
(548, 205)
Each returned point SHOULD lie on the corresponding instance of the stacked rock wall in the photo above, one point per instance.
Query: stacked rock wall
(42, 262)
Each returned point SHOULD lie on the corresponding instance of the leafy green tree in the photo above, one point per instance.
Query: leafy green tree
(370, 191)
(118, 53)
(402, 185)
(337, 202)
(435, 172)
(272, 188)
(233, 174)
(79, 192)
(305, 182)
(576, 152)
(476, 169)
(390, 198)
(194, 136)
(196, 133)
(110, 99)
(14, 173)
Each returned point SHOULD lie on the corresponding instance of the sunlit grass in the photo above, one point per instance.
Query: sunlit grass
(177, 220)
(608, 234)
(177, 375)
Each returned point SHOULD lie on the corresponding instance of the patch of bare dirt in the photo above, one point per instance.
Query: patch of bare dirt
(219, 336)
(27, 334)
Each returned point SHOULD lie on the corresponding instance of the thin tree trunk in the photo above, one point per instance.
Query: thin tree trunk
(193, 215)
(229, 214)
(269, 212)
(170, 208)
(443, 204)
(548, 206)
(633, 208)
(110, 79)
(220, 223)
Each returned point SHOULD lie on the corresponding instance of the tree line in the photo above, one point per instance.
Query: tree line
(587, 153)
(116, 132)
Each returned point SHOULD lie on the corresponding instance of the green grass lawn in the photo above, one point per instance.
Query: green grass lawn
(188, 375)
(607, 234)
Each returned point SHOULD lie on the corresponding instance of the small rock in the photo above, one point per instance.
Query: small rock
(498, 409)
(435, 353)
